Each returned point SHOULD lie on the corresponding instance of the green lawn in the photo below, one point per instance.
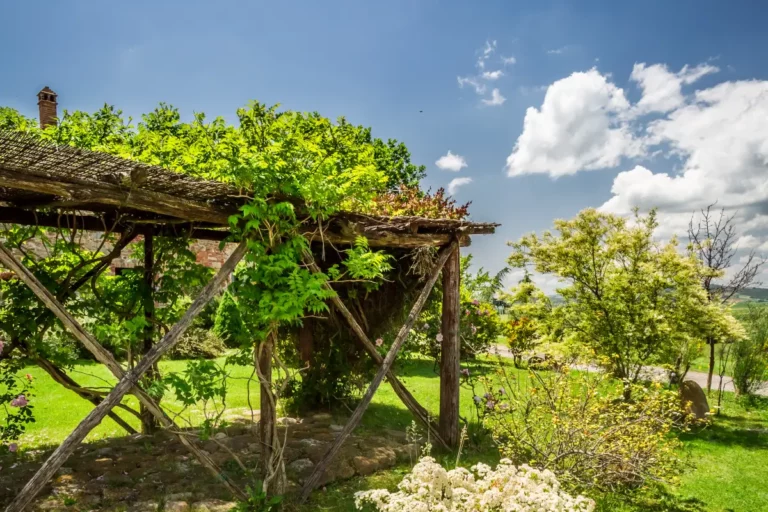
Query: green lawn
(730, 457)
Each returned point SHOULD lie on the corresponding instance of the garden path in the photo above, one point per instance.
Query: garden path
(654, 373)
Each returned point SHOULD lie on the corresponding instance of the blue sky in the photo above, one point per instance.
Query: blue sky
(380, 63)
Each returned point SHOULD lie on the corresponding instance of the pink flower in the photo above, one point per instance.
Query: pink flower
(439, 336)
(379, 342)
(19, 401)
(465, 372)
(466, 312)
(1, 346)
(28, 376)
(476, 302)
(13, 447)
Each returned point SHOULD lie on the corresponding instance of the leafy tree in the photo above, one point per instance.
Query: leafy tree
(750, 353)
(629, 298)
(529, 309)
(713, 240)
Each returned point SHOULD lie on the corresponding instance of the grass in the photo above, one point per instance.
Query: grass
(730, 457)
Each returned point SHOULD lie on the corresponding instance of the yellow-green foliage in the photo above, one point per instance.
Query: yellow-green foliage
(630, 298)
(580, 427)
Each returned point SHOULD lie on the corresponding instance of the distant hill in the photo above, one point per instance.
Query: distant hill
(751, 294)
(754, 293)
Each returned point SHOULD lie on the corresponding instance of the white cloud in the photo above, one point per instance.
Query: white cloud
(495, 100)
(492, 75)
(451, 162)
(455, 183)
(580, 126)
(662, 89)
(558, 51)
(478, 86)
(479, 82)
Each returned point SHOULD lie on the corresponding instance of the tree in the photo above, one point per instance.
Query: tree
(713, 240)
(626, 296)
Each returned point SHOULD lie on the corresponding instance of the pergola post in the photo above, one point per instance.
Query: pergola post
(450, 351)
(148, 422)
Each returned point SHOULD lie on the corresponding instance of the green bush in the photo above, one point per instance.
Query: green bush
(229, 324)
(198, 343)
(750, 361)
(580, 427)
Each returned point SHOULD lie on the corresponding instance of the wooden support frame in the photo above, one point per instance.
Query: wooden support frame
(384, 369)
(399, 388)
(128, 381)
(450, 350)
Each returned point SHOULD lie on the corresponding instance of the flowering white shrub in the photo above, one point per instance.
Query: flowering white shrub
(429, 487)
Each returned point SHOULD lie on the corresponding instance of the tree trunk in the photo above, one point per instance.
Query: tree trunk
(267, 414)
(450, 352)
(711, 342)
(149, 423)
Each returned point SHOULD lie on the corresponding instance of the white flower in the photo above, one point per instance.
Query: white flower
(439, 337)
(429, 487)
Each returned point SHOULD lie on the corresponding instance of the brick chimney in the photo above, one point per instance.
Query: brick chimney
(46, 102)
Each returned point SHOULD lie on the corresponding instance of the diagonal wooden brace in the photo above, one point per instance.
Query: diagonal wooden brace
(399, 388)
(128, 381)
(354, 420)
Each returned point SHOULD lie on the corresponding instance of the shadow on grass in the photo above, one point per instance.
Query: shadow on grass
(657, 499)
(732, 431)
(430, 369)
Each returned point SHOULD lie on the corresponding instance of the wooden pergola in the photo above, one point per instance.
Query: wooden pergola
(64, 187)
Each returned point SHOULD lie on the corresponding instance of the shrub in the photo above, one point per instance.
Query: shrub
(507, 488)
(229, 324)
(750, 360)
(198, 343)
(480, 327)
(580, 427)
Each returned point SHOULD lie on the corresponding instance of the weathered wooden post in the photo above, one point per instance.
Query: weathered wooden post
(450, 350)
(148, 422)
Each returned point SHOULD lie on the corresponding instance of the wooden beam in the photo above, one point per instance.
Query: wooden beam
(113, 195)
(450, 351)
(164, 227)
(128, 381)
(402, 335)
(399, 388)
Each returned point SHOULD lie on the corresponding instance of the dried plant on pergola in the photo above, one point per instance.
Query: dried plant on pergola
(64, 187)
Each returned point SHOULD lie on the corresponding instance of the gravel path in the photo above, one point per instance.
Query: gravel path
(657, 374)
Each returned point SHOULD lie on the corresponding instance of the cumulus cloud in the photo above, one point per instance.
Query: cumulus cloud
(455, 183)
(712, 143)
(662, 89)
(451, 162)
(495, 100)
(508, 61)
(579, 126)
